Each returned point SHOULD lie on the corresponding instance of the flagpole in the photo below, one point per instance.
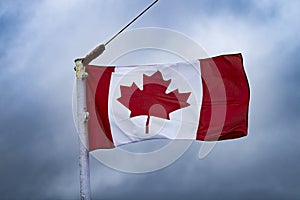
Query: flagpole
(83, 115)
(82, 118)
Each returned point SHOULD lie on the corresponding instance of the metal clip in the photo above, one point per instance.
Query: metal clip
(86, 116)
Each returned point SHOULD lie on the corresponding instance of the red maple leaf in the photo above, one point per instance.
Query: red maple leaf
(153, 99)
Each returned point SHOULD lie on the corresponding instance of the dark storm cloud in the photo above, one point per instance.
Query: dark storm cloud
(288, 83)
(32, 158)
(38, 143)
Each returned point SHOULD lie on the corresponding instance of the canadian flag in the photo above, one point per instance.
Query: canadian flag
(206, 99)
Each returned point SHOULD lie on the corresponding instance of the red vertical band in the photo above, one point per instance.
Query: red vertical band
(97, 93)
(223, 74)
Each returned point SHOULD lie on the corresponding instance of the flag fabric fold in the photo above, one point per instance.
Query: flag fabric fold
(206, 99)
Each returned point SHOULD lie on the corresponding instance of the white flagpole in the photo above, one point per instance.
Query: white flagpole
(85, 189)
(83, 115)
(82, 118)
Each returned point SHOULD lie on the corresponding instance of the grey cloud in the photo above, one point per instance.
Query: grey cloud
(38, 143)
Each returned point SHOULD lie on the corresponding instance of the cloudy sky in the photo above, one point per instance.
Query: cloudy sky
(39, 41)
